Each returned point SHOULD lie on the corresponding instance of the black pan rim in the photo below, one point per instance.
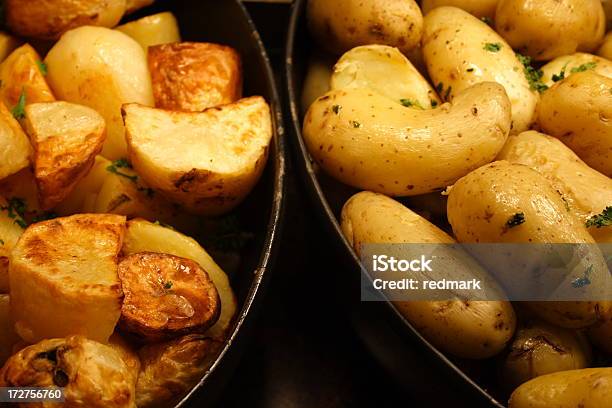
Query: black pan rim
(314, 188)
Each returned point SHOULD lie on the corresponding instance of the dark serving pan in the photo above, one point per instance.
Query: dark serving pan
(228, 22)
(416, 365)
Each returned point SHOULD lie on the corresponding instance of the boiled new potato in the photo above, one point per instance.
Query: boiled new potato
(606, 47)
(89, 185)
(213, 159)
(172, 368)
(479, 8)
(601, 334)
(8, 44)
(586, 191)
(102, 69)
(161, 28)
(341, 25)
(22, 77)
(16, 149)
(547, 29)
(10, 231)
(50, 19)
(578, 111)
(469, 329)
(134, 5)
(386, 71)
(317, 79)
(192, 76)
(586, 388)
(92, 375)
(63, 278)
(539, 348)
(460, 50)
(143, 236)
(8, 337)
(66, 138)
(370, 142)
(166, 296)
(564, 66)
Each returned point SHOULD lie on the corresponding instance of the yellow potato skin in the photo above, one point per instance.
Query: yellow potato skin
(341, 25)
(606, 46)
(578, 111)
(317, 79)
(586, 388)
(370, 142)
(579, 60)
(454, 43)
(479, 8)
(16, 149)
(469, 329)
(546, 29)
(586, 191)
(161, 28)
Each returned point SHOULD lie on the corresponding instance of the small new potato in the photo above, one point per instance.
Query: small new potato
(606, 47)
(386, 71)
(102, 69)
(585, 388)
(479, 8)
(211, 161)
(460, 50)
(578, 111)
(566, 65)
(50, 19)
(341, 25)
(367, 141)
(547, 29)
(161, 28)
(134, 5)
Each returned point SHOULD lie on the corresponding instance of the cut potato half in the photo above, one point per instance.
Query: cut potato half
(15, 150)
(207, 162)
(161, 28)
(66, 138)
(63, 277)
(90, 184)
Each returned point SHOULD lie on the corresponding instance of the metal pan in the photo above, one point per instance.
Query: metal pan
(416, 365)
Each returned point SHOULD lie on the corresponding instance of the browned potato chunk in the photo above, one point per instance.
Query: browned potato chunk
(192, 76)
(166, 296)
(15, 149)
(50, 19)
(93, 375)
(171, 369)
(66, 138)
(10, 231)
(23, 73)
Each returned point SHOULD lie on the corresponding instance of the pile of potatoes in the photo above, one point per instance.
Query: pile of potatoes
(112, 140)
(493, 121)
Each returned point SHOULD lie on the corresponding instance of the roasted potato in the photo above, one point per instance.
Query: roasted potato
(8, 337)
(8, 44)
(606, 47)
(468, 329)
(386, 71)
(63, 278)
(89, 185)
(128, 354)
(578, 111)
(601, 333)
(586, 388)
(16, 149)
(317, 79)
(10, 231)
(172, 368)
(566, 65)
(134, 5)
(547, 29)
(156, 29)
(460, 50)
(540, 348)
(585, 191)
(21, 189)
(341, 25)
(479, 8)
(143, 236)
(102, 69)
(213, 159)
(50, 19)
(367, 141)
(92, 375)
(66, 138)
(191, 76)
(166, 296)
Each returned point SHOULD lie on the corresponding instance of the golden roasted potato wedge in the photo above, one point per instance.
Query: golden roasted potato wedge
(8, 337)
(156, 29)
(93, 375)
(22, 77)
(133, 5)
(166, 296)
(191, 76)
(63, 277)
(8, 43)
(90, 184)
(16, 149)
(144, 236)
(212, 159)
(66, 138)
(10, 231)
(50, 19)
(171, 369)
(21, 190)
(128, 354)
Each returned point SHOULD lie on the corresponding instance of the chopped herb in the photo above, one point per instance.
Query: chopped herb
(148, 191)
(411, 103)
(434, 103)
(161, 224)
(533, 75)
(440, 87)
(16, 209)
(42, 67)
(447, 94)
(229, 235)
(487, 20)
(336, 109)
(557, 78)
(471, 69)
(121, 164)
(168, 285)
(492, 47)
(584, 280)
(516, 220)
(19, 109)
(355, 124)
(601, 220)
(44, 217)
(584, 67)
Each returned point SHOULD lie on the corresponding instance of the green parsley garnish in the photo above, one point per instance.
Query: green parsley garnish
(168, 285)
(534, 76)
(447, 94)
(439, 87)
(492, 47)
(584, 67)
(336, 109)
(557, 78)
(516, 220)
(584, 280)
(409, 103)
(16, 209)
(121, 164)
(44, 217)
(42, 67)
(434, 103)
(355, 124)
(19, 109)
(601, 220)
